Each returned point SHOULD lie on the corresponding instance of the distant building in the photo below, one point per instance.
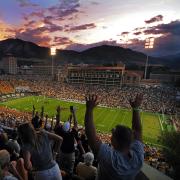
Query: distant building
(62, 73)
(9, 64)
(102, 75)
(132, 77)
(171, 77)
(42, 70)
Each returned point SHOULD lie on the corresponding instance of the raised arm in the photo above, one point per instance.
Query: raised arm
(33, 111)
(42, 112)
(136, 121)
(58, 116)
(73, 111)
(94, 141)
(57, 141)
(45, 124)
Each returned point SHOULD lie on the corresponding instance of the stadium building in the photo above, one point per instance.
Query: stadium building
(9, 64)
(101, 75)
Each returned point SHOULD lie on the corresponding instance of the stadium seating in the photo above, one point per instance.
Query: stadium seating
(6, 87)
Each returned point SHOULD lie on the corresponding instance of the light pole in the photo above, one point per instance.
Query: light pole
(53, 53)
(149, 44)
(122, 74)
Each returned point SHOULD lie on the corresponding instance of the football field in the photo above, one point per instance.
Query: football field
(105, 118)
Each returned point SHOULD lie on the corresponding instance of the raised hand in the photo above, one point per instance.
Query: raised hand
(136, 103)
(34, 108)
(91, 102)
(58, 109)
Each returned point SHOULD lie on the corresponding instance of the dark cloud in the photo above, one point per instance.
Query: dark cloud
(124, 33)
(54, 28)
(62, 41)
(137, 33)
(82, 27)
(26, 3)
(64, 8)
(168, 42)
(139, 28)
(154, 19)
(170, 28)
(95, 3)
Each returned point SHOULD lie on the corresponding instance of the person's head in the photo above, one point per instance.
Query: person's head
(4, 158)
(121, 137)
(27, 133)
(37, 113)
(3, 138)
(89, 158)
(66, 126)
(14, 135)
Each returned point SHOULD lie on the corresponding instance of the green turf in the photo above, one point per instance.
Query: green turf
(105, 118)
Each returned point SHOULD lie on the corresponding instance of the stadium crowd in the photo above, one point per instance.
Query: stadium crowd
(39, 151)
(73, 150)
(157, 99)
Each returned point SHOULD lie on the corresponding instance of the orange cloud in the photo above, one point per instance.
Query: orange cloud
(6, 30)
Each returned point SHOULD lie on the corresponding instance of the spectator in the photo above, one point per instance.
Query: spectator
(37, 152)
(86, 170)
(67, 151)
(6, 166)
(13, 144)
(3, 141)
(124, 159)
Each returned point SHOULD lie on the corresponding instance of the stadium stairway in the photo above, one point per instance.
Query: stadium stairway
(148, 172)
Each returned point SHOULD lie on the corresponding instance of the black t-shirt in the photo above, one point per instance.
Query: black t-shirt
(35, 122)
(68, 139)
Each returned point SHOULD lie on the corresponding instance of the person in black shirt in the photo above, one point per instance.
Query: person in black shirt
(66, 158)
(36, 120)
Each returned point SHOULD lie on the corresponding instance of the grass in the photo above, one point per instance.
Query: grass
(105, 118)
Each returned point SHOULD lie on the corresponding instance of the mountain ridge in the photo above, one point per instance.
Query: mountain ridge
(103, 54)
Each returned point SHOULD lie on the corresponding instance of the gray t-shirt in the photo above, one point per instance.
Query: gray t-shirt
(9, 177)
(113, 165)
(41, 154)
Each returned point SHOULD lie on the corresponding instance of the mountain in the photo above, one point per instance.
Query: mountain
(105, 54)
(20, 48)
(173, 61)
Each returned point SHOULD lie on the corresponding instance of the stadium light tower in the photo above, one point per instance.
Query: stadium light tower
(149, 44)
(53, 53)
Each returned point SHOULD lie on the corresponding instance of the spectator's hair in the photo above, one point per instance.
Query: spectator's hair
(89, 158)
(14, 135)
(27, 133)
(4, 158)
(3, 138)
(123, 136)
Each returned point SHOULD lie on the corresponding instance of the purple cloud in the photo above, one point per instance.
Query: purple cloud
(34, 35)
(82, 27)
(62, 41)
(124, 33)
(64, 8)
(26, 3)
(173, 28)
(137, 33)
(95, 3)
(154, 19)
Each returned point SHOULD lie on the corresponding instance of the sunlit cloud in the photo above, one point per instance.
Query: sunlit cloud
(81, 24)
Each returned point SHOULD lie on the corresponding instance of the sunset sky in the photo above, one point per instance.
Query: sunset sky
(80, 24)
